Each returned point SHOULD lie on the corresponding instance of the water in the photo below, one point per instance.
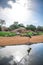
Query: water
(21, 55)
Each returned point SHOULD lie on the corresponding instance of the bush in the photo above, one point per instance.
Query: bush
(31, 27)
(26, 35)
(39, 28)
(7, 34)
(35, 33)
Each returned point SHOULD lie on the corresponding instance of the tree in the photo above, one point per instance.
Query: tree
(0, 28)
(14, 26)
(40, 28)
(2, 22)
(20, 25)
(15, 23)
(31, 27)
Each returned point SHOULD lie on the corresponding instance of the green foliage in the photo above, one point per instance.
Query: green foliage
(2, 22)
(12, 27)
(16, 23)
(30, 33)
(7, 34)
(40, 33)
(0, 28)
(40, 28)
(35, 33)
(15, 26)
(26, 34)
(31, 27)
(21, 25)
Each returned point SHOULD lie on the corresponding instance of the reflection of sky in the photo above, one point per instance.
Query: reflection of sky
(23, 11)
(17, 53)
(36, 55)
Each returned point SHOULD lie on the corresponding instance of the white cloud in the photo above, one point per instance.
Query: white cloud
(17, 13)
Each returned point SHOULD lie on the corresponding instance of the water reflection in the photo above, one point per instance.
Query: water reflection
(22, 55)
(6, 60)
(35, 56)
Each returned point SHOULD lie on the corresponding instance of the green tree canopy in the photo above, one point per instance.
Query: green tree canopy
(31, 27)
(40, 28)
(2, 22)
(21, 25)
(14, 26)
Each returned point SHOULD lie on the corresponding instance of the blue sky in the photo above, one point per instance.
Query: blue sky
(23, 11)
(39, 11)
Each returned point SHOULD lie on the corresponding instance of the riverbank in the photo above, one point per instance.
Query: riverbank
(20, 40)
(36, 39)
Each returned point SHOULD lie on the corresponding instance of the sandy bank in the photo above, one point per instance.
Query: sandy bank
(20, 40)
(36, 39)
(14, 40)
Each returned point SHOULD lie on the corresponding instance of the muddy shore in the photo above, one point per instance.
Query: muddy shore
(20, 40)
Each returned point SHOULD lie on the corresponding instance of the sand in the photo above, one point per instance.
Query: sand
(36, 39)
(20, 40)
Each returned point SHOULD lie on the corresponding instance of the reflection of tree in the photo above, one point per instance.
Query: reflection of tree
(7, 60)
(24, 60)
(29, 50)
(2, 47)
(15, 63)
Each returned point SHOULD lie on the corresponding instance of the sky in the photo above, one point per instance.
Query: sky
(23, 11)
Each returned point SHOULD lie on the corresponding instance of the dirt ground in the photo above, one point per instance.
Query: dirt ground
(36, 39)
(20, 40)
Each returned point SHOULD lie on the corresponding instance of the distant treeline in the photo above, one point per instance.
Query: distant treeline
(16, 25)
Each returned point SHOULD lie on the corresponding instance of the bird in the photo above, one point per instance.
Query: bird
(28, 50)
